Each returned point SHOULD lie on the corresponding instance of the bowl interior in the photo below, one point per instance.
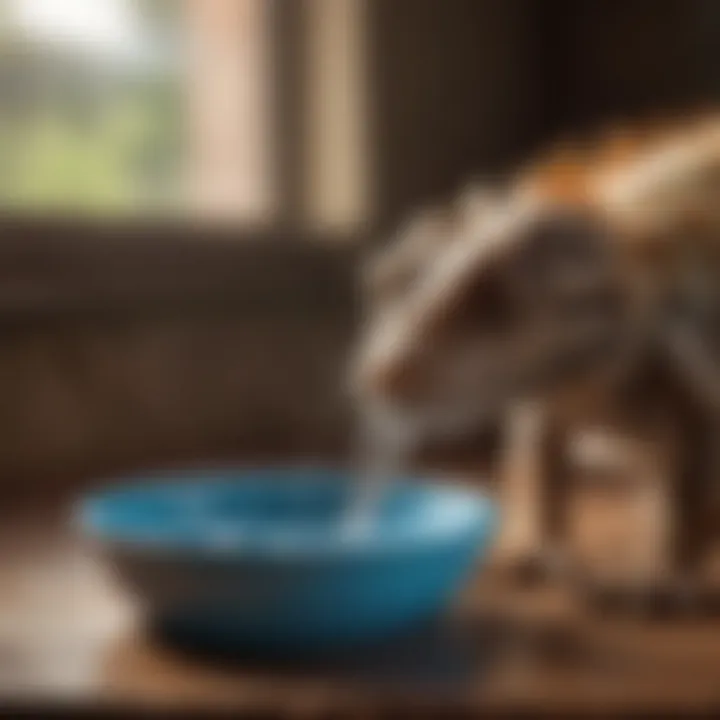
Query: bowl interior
(292, 509)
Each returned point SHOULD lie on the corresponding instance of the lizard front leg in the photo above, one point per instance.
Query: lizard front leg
(536, 492)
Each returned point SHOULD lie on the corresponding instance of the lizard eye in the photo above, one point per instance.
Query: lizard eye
(563, 258)
(486, 305)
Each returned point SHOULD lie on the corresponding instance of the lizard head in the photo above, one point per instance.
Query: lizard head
(509, 304)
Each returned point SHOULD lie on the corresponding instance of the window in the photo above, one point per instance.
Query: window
(90, 116)
(167, 107)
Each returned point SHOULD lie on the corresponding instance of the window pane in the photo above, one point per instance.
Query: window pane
(134, 106)
(90, 105)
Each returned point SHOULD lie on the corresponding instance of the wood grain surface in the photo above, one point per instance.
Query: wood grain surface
(70, 638)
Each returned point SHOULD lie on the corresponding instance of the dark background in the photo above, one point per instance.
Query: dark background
(137, 343)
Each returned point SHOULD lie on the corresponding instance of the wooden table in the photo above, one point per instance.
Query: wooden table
(70, 639)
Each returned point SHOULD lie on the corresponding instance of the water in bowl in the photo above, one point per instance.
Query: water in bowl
(384, 443)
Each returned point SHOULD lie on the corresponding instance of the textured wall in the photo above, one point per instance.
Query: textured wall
(134, 352)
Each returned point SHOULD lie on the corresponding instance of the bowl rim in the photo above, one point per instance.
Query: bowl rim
(478, 522)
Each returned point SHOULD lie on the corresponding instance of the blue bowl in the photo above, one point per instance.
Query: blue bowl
(256, 559)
